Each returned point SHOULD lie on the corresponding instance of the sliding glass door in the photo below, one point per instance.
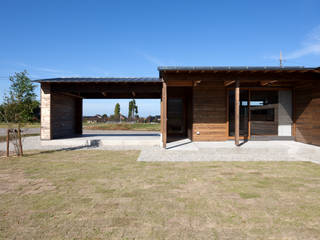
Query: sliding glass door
(262, 112)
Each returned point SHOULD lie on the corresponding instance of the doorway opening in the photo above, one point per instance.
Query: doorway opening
(263, 112)
(135, 125)
(179, 113)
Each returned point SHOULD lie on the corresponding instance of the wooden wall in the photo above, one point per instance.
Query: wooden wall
(307, 112)
(64, 116)
(209, 111)
(210, 105)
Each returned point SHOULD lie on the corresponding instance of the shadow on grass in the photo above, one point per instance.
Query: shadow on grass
(94, 144)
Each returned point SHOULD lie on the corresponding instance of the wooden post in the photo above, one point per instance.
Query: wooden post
(20, 142)
(249, 114)
(8, 142)
(164, 115)
(237, 113)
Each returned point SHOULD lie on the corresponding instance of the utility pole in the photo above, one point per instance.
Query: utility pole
(280, 59)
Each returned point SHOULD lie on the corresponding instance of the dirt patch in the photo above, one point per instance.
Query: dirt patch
(17, 182)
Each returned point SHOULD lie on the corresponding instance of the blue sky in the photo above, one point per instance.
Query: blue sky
(94, 38)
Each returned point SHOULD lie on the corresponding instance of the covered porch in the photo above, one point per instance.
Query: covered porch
(241, 103)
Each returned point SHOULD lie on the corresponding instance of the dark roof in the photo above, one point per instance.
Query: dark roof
(231, 68)
(108, 79)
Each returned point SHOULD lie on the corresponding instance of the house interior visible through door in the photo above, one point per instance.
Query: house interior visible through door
(262, 112)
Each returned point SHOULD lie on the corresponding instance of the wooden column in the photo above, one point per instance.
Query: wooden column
(8, 142)
(237, 113)
(78, 115)
(164, 114)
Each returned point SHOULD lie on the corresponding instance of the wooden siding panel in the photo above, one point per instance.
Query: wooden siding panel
(307, 113)
(209, 112)
(64, 115)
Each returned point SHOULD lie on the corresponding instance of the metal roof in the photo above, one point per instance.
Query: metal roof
(231, 68)
(100, 80)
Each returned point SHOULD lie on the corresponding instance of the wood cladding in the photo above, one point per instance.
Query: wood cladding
(64, 116)
(307, 113)
(209, 112)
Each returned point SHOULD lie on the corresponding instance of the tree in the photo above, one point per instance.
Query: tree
(117, 111)
(2, 113)
(18, 106)
(130, 110)
(133, 109)
(35, 112)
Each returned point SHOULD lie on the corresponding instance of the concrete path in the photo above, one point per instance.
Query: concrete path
(184, 150)
(100, 138)
(96, 139)
(3, 131)
(187, 151)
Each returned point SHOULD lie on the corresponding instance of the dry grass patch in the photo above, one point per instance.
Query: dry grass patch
(109, 195)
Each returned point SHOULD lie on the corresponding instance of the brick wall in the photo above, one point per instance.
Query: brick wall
(45, 94)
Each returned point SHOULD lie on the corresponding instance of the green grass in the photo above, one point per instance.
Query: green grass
(109, 195)
(122, 126)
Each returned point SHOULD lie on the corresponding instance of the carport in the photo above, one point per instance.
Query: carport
(62, 100)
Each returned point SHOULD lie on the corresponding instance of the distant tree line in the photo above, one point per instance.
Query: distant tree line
(118, 117)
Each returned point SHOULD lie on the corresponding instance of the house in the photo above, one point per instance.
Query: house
(200, 103)
(93, 119)
(123, 117)
(153, 119)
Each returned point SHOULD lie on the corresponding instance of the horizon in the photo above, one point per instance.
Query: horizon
(131, 39)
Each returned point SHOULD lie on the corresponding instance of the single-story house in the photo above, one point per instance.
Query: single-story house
(200, 103)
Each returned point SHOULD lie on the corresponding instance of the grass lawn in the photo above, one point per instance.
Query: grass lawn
(122, 126)
(109, 195)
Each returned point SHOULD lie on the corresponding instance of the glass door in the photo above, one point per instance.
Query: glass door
(176, 117)
(264, 112)
(244, 112)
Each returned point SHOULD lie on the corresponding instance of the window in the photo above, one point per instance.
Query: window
(262, 115)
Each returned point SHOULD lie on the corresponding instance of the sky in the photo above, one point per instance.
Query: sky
(104, 38)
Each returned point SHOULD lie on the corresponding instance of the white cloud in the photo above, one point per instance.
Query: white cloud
(154, 60)
(10, 68)
(311, 46)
